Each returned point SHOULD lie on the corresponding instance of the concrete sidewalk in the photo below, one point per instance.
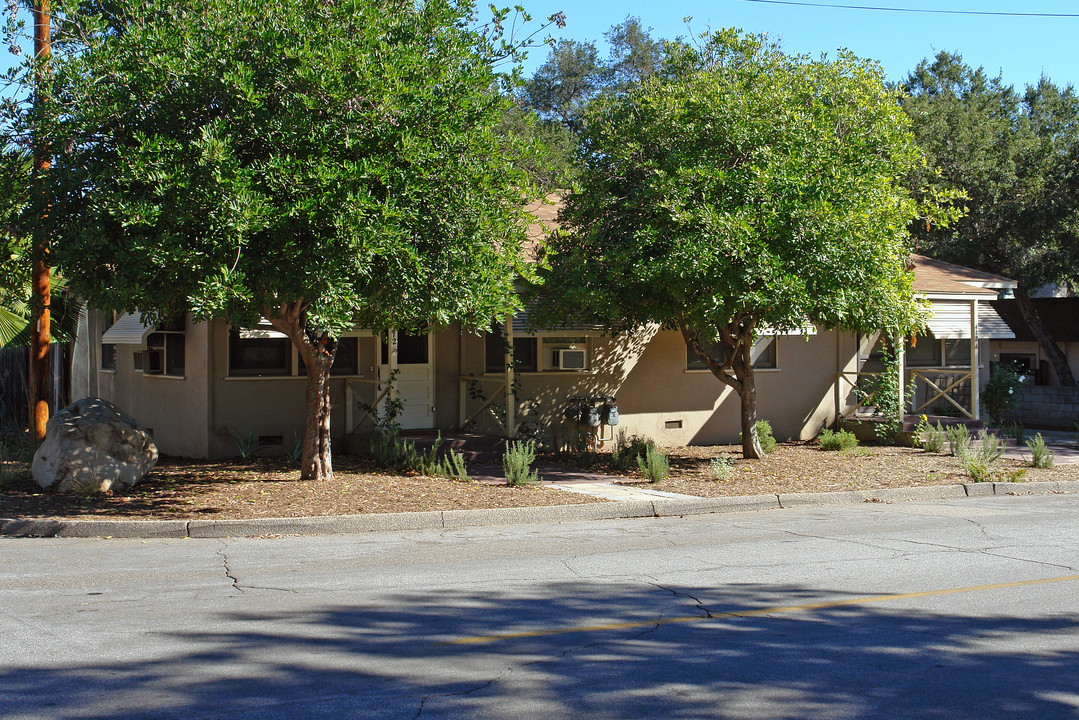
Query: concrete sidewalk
(624, 503)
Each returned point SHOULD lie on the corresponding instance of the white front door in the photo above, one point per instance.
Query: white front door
(415, 380)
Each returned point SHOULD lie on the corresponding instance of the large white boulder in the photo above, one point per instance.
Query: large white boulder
(91, 446)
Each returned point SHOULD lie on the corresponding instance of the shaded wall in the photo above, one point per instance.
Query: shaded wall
(658, 398)
(174, 408)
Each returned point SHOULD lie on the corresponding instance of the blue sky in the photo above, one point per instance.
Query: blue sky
(1021, 48)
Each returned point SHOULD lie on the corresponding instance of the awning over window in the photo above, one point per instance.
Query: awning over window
(951, 321)
(128, 329)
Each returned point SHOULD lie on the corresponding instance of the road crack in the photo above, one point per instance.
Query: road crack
(228, 570)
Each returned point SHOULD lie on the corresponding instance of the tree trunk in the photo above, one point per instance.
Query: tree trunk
(317, 354)
(1048, 345)
(737, 340)
(315, 464)
(751, 444)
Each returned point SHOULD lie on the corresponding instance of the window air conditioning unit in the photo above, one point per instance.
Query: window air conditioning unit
(571, 359)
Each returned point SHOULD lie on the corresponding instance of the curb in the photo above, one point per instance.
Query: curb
(457, 519)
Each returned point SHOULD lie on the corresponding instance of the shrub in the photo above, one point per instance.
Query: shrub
(1040, 455)
(653, 464)
(1014, 430)
(958, 438)
(764, 436)
(517, 463)
(841, 440)
(388, 451)
(998, 395)
(932, 438)
(722, 468)
(976, 460)
(627, 449)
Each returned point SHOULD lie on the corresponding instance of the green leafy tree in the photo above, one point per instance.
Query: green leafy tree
(1015, 157)
(321, 164)
(751, 191)
(574, 74)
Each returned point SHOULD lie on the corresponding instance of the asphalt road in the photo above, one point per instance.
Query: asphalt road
(943, 610)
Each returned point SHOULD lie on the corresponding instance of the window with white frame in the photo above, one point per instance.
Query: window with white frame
(763, 354)
(165, 352)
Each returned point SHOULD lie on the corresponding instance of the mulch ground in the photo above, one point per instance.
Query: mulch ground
(187, 489)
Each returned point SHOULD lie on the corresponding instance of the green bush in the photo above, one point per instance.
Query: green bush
(388, 451)
(999, 394)
(627, 449)
(722, 468)
(931, 438)
(764, 436)
(1040, 455)
(1014, 430)
(653, 464)
(978, 459)
(958, 438)
(517, 463)
(841, 440)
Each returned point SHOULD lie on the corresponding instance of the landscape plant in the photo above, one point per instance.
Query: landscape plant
(517, 463)
(977, 459)
(626, 450)
(932, 437)
(841, 440)
(721, 468)
(1040, 454)
(653, 464)
(958, 438)
(324, 165)
(999, 394)
(740, 191)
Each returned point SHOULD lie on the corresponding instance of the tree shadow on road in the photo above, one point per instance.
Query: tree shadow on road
(881, 660)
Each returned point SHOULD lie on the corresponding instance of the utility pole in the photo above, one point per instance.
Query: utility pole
(41, 337)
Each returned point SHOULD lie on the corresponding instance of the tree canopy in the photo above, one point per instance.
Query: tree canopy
(1015, 158)
(745, 191)
(326, 165)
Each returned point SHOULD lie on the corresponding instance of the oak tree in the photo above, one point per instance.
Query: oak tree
(740, 191)
(1015, 158)
(325, 164)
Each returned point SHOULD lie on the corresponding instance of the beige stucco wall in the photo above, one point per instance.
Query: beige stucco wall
(655, 393)
(204, 413)
(275, 406)
(173, 408)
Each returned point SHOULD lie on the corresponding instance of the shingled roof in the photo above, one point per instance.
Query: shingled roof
(936, 277)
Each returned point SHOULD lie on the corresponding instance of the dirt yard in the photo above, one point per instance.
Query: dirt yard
(271, 488)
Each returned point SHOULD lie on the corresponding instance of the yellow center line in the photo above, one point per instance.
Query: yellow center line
(481, 639)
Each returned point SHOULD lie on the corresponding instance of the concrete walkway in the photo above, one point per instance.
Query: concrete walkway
(575, 480)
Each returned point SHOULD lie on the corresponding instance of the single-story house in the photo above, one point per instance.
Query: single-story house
(200, 386)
